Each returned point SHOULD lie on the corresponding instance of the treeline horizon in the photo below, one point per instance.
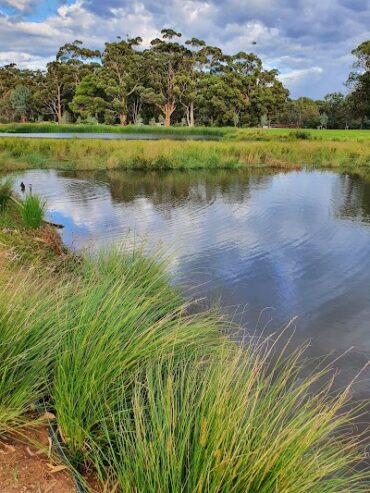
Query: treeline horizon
(174, 83)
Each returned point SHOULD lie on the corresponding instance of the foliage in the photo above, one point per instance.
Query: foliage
(20, 99)
(359, 83)
(170, 80)
(32, 210)
(174, 82)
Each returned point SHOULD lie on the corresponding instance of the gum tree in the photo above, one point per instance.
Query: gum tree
(122, 74)
(168, 63)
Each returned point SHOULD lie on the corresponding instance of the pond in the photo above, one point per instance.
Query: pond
(267, 246)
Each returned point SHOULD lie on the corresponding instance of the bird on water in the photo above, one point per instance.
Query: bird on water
(23, 186)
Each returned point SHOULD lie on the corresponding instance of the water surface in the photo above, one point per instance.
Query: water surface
(267, 246)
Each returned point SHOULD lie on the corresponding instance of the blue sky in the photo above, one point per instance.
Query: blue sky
(309, 41)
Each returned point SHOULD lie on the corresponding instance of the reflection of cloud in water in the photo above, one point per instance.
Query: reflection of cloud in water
(244, 237)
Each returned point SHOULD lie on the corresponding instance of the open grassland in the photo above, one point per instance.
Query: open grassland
(225, 133)
(149, 395)
(94, 154)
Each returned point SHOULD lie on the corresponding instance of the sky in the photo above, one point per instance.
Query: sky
(308, 41)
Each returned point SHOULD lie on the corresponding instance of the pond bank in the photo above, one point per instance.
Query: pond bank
(21, 153)
(108, 347)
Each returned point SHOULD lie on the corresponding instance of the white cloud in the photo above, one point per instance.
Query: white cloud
(312, 51)
(21, 5)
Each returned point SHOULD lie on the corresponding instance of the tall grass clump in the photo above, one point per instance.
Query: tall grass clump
(32, 211)
(229, 424)
(121, 316)
(5, 193)
(28, 339)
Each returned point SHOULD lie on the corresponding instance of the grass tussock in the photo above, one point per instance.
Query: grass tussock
(5, 193)
(229, 424)
(93, 154)
(28, 341)
(32, 210)
(150, 396)
(121, 316)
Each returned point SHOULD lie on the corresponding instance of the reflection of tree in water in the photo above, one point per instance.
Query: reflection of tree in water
(84, 188)
(175, 188)
(352, 200)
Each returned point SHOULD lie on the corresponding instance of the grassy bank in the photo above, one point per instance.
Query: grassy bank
(88, 155)
(226, 133)
(148, 395)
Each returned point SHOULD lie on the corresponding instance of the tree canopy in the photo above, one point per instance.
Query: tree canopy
(174, 81)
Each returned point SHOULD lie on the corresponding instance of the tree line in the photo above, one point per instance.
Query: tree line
(173, 82)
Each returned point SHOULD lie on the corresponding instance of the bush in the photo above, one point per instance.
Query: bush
(300, 135)
(32, 211)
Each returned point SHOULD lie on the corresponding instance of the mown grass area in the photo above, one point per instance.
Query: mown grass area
(149, 394)
(89, 155)
(225, 133)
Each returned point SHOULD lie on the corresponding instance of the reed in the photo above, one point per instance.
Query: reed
(227, 133)
(90, 155)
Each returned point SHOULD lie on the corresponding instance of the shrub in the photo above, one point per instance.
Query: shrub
(300, 135)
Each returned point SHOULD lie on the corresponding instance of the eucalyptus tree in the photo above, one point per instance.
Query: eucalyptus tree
(21, 100)
(79, 60)
(189, 80)
(90, 99)
(121, 74)
(359, 82)
(54, 93)
(16, 92)
(168, 62)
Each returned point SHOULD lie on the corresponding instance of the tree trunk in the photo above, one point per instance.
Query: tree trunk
(191, 114)
(59, 106)
(123, 119)
(168, 109)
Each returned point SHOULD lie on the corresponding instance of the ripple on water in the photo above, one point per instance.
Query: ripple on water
(298, 242)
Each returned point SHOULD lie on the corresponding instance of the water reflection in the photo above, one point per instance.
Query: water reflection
(296, 242)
